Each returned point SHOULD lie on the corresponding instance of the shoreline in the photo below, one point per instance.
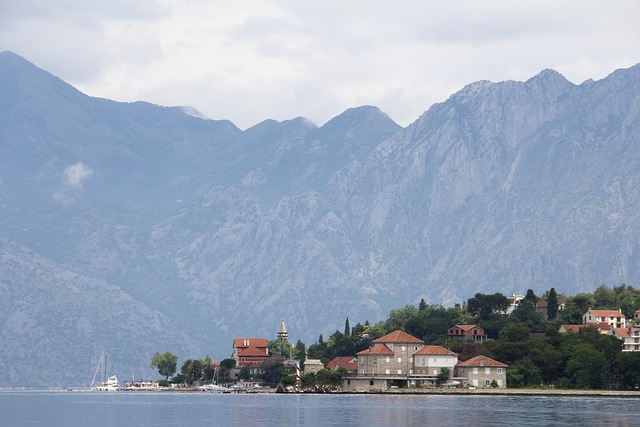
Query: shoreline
(505, 392)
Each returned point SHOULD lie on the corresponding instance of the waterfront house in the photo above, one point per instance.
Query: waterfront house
(399, 360)
(430, 361)
(482, 371)
(613, 318)
(467, 332)
(250, 352)
(391, 354)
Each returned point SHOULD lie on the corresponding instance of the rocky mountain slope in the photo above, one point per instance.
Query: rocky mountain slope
(143, 228)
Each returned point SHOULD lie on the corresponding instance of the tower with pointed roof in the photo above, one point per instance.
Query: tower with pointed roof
(282, 332)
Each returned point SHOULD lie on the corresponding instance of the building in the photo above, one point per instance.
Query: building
(250, 352)
(391, 354)
(399, 360)
(282, 334)
(613, 318)
(630, 336)
(514, 301)
(467, 332)
(481, 371)
(349, 364)
(430, 361)
(312, 365)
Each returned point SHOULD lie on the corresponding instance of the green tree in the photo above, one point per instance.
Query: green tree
(444, 375)
(347, 328)
(531, 297)
(586, 367)
(629, 365)
(484, 305)
(552, 307)
(226, 365)
(192, 371)
(523, 373)
(166, 363)
(271, 371)
(423, 305)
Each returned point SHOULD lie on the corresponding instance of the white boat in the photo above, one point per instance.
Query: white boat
(212, 387)
(104, 384)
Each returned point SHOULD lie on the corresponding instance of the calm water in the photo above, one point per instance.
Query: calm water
(173, 409)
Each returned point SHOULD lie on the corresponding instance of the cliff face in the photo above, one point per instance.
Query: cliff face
(142, 228)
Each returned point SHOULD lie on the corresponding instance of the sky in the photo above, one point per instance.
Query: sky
(247, 61)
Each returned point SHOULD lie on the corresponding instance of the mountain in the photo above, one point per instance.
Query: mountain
(181, 233)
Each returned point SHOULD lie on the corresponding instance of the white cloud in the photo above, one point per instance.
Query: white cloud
(255, 59)
(72, 183)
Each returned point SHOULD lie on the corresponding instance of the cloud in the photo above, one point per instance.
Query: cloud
(72, 184)
(250, 60)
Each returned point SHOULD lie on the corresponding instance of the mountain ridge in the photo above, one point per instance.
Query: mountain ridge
(212, 232)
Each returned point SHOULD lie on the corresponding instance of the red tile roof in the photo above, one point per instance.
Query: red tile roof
(606, 313)
(250, 342)
(253, 351)
(435, 349)
(482, 361)
(376, 349)
(573, 328)
(346, 362)
(398, 336)
(467, 327)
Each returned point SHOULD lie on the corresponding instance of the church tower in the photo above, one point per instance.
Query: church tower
(282, 332)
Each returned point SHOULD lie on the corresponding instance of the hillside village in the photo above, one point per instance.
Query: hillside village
(510, 344)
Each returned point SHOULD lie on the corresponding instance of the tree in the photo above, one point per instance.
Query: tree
(484, 305)
(444, 375)
(347, 329)
(165, 363)
(523, 373)
(629, 364)
(423, 305)
(531, 297)
(226, 365)
(552, 307)
(191, 371)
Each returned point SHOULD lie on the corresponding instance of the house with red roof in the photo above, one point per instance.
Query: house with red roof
(467, 332)
(613, 318)
(348, 363)
(430, 360)
(482, 371)
(629, 335)
(250, 352)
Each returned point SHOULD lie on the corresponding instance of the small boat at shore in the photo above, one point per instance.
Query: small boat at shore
(102, 382)
(212, 388)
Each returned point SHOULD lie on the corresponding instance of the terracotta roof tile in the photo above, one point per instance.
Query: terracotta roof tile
(347, 362)
(435, 349)
(253, 351)
(606, 313)
(376, 349)
(250, 342)
(398, 336)
(482, 361)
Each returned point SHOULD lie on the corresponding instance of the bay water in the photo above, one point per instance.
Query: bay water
(84, 409)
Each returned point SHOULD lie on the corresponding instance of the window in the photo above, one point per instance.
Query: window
(387, 371)
(499, 370)
(387, 359)
(487, 371)
(475, 371)
(487, 383)
(399, 359)
(403, 348)
(399, 371)
(371, 382)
